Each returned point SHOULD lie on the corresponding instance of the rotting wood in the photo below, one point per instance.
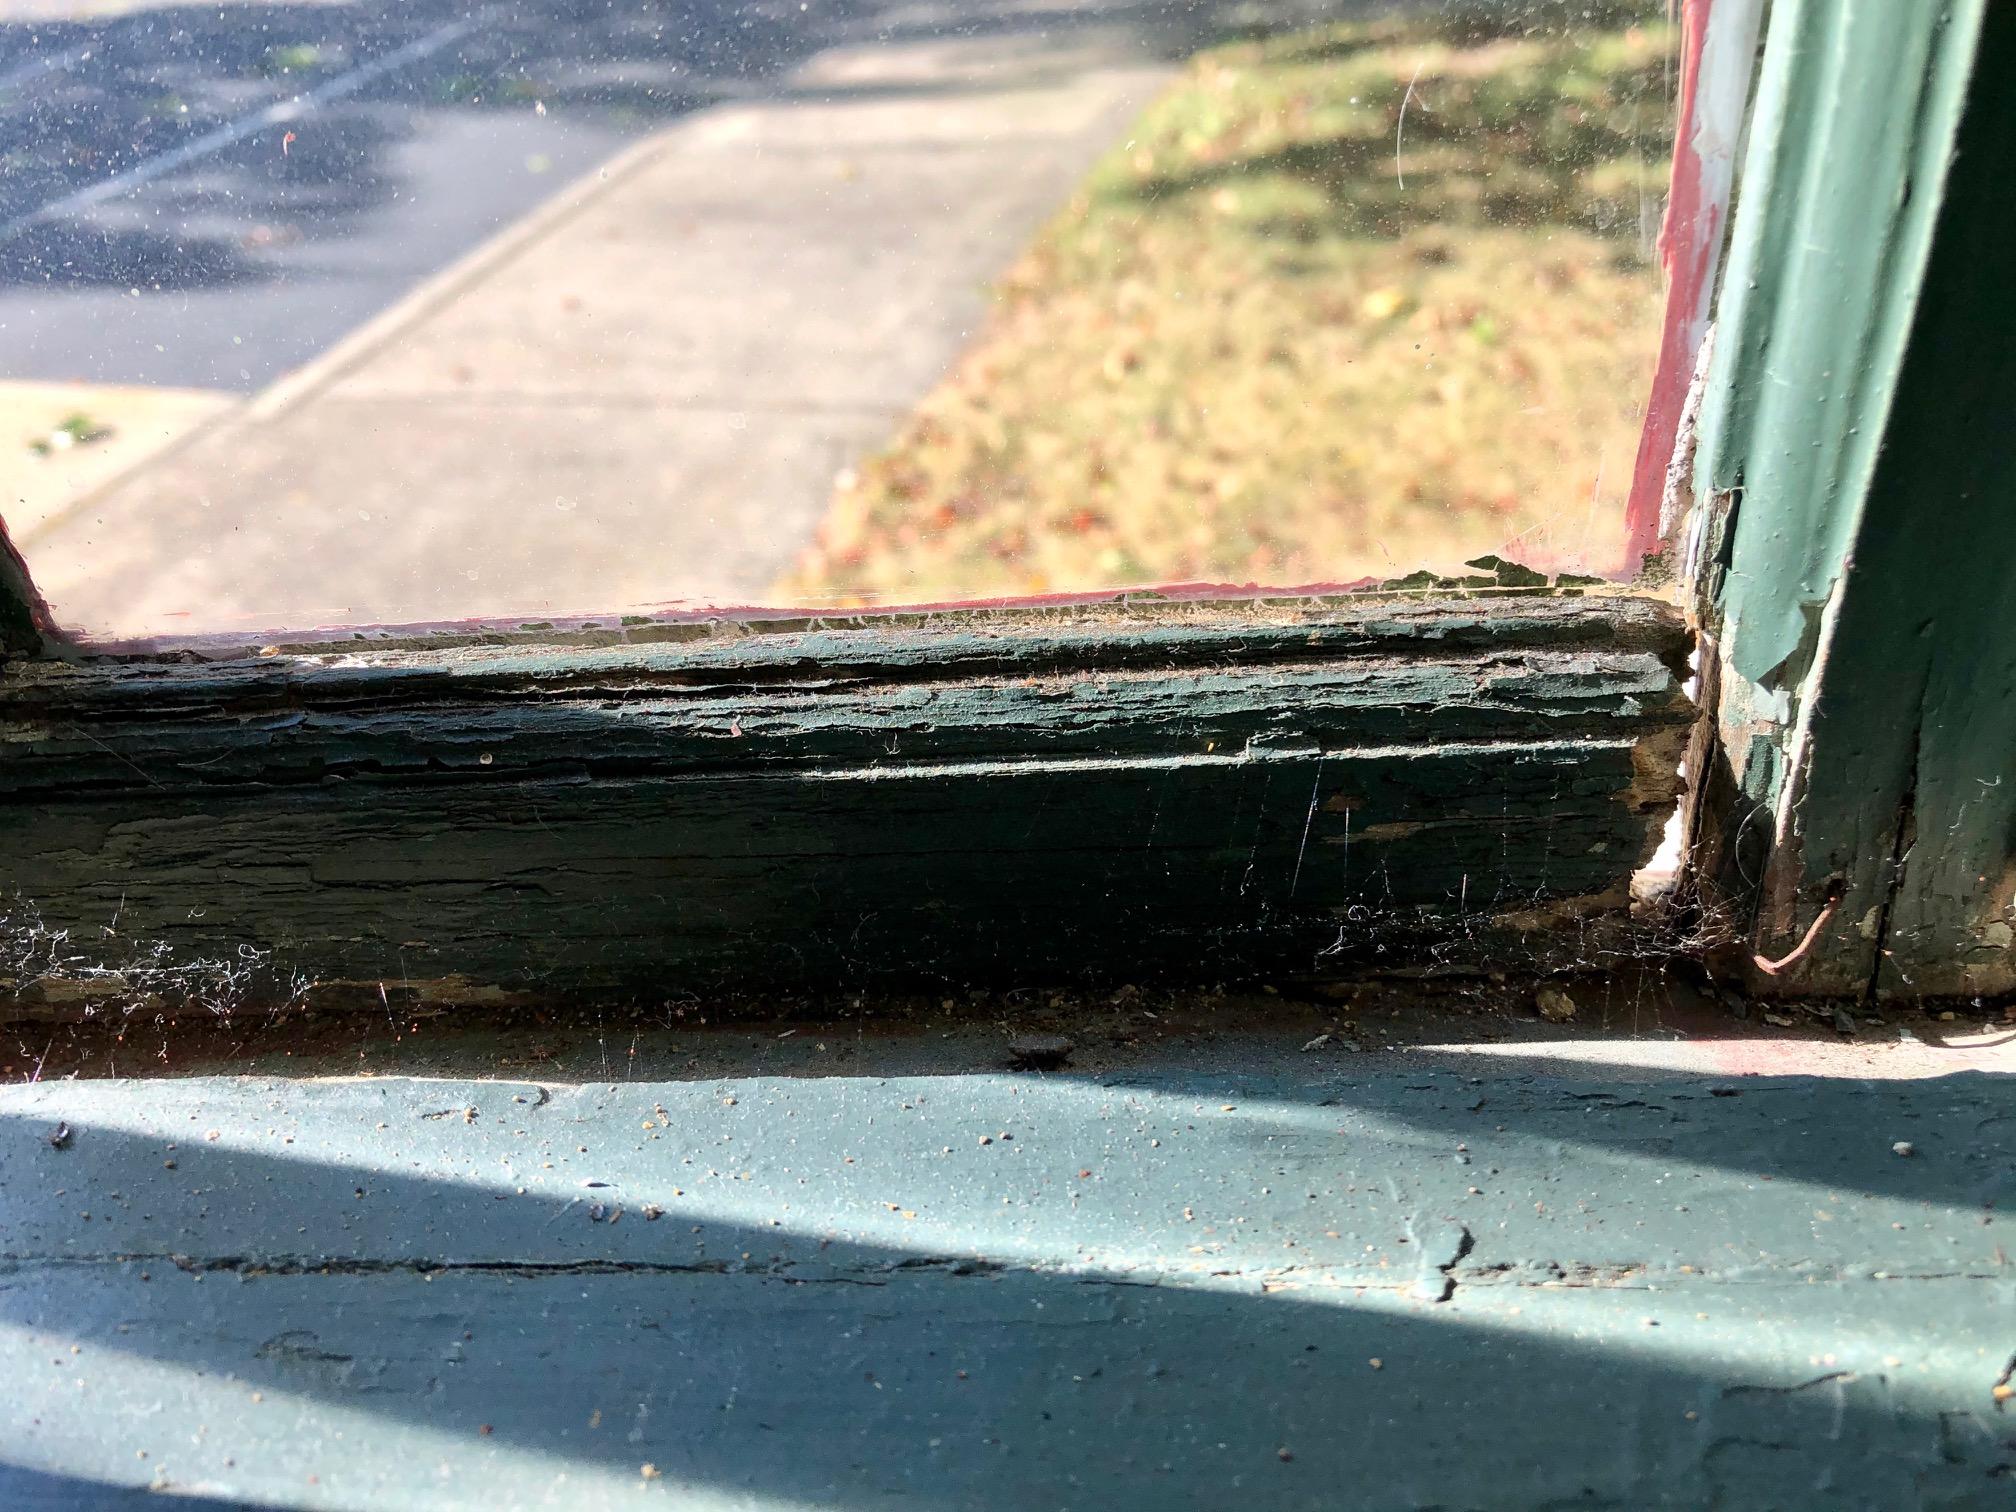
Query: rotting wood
(1206, 795)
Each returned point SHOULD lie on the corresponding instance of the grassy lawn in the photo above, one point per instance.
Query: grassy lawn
(1282, 335)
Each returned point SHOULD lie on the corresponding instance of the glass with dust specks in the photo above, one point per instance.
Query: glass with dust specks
(367, 312)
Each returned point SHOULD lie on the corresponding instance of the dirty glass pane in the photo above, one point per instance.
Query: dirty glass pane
(357, 312)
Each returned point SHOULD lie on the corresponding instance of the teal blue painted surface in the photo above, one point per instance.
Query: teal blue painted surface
(1175, 1287)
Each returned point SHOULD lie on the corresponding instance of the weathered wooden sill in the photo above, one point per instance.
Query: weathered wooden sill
(1206, 790)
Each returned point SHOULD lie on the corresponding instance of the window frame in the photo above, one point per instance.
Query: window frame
(1072, 793)
(204, 751)
(1855, 820)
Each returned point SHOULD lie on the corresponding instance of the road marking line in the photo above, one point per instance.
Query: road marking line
(278, 113)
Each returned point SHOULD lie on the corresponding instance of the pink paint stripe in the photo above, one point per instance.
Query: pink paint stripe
(1690, 240)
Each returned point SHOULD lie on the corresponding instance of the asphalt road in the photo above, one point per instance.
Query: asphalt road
(205, 196)
(644, 404)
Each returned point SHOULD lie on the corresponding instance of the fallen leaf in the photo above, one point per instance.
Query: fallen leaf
(1382, 304)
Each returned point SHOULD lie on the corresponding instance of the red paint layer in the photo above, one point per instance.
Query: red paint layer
(1688, 240)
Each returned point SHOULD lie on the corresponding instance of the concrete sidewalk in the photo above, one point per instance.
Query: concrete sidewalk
(642, 395)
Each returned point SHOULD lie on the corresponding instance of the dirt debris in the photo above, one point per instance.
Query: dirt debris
(1039, 1052)
(1554, 1005)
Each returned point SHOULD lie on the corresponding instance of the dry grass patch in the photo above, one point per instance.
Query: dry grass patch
(1281, 335)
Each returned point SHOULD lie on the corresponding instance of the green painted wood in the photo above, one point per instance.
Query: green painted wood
(1856, 107)
(501, 662)
(1861, 476)
(1252, 791)
(344, 728)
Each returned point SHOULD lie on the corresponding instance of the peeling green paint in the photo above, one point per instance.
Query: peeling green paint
(817, 807)
(1857, 104)
(1861, 592)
